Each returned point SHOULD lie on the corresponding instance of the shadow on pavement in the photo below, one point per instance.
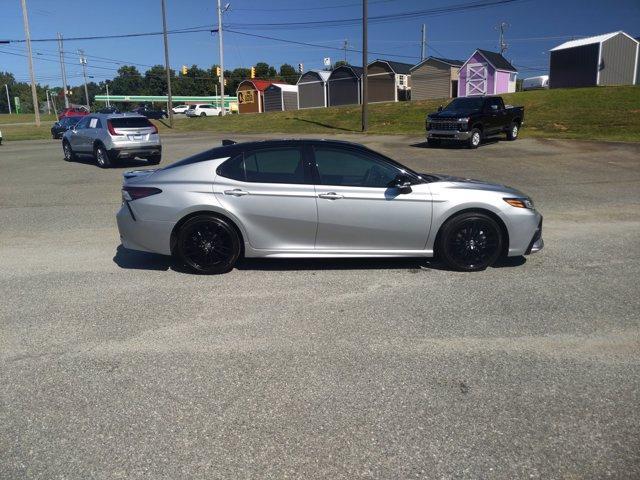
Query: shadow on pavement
(326, 125)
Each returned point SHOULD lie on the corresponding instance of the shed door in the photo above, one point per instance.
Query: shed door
(476, 79)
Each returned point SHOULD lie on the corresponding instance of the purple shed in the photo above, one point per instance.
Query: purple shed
(486, 73)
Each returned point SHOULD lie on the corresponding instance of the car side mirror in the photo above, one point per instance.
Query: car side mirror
(440, 108)
(402, 183)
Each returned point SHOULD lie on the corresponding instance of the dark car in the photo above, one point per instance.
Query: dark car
(470, 119)
(150, 112)
(61, 126)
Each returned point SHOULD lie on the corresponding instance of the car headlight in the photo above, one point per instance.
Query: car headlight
(464, 120)
(521, 202)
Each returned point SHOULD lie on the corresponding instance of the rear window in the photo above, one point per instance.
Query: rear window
(130, 122)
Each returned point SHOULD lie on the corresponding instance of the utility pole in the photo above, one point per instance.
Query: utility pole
(221, 77)
(64, 72)
(423, 42)
(106, 83)
(344, 47)
(6, 87)
(27, 33)
(503, 45)
(365, 117)
(48, 103)
(166, 63)
(83, 62)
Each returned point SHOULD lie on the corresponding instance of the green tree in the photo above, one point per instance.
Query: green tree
(289, 74)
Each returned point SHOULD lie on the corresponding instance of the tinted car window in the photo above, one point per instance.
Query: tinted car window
(130, 122)
(278, 165)
(494, 104)
(351, 168)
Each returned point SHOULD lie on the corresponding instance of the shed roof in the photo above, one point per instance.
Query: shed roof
(447, 61)
(322, 74)
(260, 85)
(397, 67)
(590, 40)
(285, 87)
(357, 71)
(497, 60)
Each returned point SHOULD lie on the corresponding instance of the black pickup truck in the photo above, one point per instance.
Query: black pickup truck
(470, 119)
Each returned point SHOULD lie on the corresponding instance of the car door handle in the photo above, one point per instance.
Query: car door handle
(331, 196)
(236, 192)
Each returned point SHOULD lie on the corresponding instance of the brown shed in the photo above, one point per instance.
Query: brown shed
(388, 81)
(435, 78)
(251, 95)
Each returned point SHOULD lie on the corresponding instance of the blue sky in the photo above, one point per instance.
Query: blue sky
(534, 27)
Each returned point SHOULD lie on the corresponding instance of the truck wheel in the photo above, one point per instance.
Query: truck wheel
(513, 131)
(434, 142)
(475, 138)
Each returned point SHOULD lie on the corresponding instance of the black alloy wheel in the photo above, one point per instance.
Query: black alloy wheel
(207, 244)
(470, 242)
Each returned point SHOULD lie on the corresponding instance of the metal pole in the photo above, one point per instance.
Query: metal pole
(48, 103)
(221, 77)
(64, 72)
(365, 117)
(83, 62)
(217, 97)
(53, 102)
(423, 44)
(34, 93)
(107, 85)
(6, 87)
(166, 63)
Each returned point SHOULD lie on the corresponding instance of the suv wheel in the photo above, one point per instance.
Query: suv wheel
(69, 156)
(102, 157)
(154, 159)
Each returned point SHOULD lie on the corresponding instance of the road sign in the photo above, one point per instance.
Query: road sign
(327, 61)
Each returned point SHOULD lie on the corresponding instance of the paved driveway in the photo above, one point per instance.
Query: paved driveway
(115, 365)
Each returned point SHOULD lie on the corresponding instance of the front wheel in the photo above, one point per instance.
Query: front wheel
(513, 131)
(102, 158)
(154, 159)
(203, 114)
(69, 156)
(470, 242)
(475, 138)
(208, 244)
(434, 142)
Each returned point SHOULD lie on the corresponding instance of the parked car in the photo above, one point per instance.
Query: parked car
(471, 119)
(203, 110)
(319, 198)
(110, 109)
(180, 109)
(61, 126)
(112, 137)
(150, 112)
(73, 112)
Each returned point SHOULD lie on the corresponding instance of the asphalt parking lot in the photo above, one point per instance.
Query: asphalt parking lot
(114, 364)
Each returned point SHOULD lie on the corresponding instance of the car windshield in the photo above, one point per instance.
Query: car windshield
(69, 121)
(465, 104)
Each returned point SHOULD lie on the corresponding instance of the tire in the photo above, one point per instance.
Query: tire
(434, 142)
(197, 242)
(154, 159)
(203, 114)
(219, 114)
(474, 139)
(102, 157)
(470, 242)
(69, 156)
(512, 133)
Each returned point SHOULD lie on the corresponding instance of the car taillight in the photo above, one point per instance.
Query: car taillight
(155, 129)
(135, 193)
(111, 129)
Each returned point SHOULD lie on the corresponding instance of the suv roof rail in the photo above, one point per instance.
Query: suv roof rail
(226, 142)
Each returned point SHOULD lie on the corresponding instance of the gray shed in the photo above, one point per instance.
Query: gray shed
(388, 81)
(435, 77)
(343, 86)
(279, 97)
(312, 89)
(609, 59)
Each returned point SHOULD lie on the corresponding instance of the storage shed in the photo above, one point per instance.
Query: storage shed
(388, 81)
(279, 97)
(312, 89)
(435, 77)
(486, 73)
(609, 59)
(343, 86)
(251, 95)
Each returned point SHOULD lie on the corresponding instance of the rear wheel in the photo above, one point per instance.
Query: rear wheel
(475, 138)
(69, 156)
(102, 158)
(203, 114)
(154, 159)
(207, 244)
(470, 242)
(513, 131)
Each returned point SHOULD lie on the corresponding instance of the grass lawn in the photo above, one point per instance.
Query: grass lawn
(602, 113)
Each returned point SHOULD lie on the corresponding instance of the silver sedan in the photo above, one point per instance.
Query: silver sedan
(319, 198)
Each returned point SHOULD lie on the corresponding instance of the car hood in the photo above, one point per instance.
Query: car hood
(449, 115)
(473, 184)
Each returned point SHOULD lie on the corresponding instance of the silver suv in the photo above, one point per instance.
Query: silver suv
(111, 137)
